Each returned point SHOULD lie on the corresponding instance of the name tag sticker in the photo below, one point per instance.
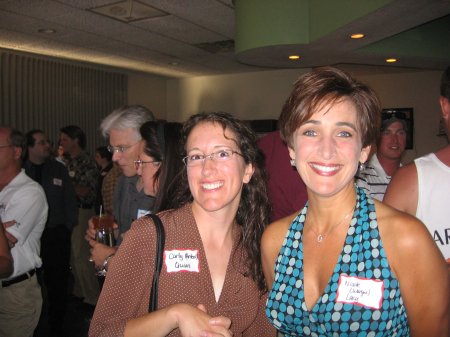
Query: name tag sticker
(57, 182)
(181, 260)
(360, 291)
(141, 213)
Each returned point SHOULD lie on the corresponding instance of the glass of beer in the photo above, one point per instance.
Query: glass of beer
(104, 231)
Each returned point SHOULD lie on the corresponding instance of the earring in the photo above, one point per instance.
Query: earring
(362, 166)
(293, 162)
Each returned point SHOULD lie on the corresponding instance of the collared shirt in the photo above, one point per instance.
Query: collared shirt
(83, 172)
(23, 200)
(59, 191)
(129, 204)
(109, 186)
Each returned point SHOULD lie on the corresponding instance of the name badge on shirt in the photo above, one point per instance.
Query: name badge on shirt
(360, 291)
(142, 212)
(57, 182)
(181, 260)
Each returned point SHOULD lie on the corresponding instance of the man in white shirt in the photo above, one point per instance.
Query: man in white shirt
(422, 188)
(23, 212)
(376, 175)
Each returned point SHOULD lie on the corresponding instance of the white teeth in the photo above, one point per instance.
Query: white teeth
(212, 186)
(324, 168)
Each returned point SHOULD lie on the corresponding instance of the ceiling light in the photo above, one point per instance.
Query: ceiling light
(46, 31)
(294, 57)
(391, 60)
(357, 36)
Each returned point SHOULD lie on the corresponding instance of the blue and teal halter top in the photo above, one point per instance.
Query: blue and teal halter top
(362, 256)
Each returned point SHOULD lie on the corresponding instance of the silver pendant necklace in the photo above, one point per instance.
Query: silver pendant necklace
(320, 237)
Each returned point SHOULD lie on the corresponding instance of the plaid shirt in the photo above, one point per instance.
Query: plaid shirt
(83, 172)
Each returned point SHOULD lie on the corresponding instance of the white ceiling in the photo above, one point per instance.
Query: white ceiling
(195, 37)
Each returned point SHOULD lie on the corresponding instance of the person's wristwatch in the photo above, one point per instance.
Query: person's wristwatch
(105, 263)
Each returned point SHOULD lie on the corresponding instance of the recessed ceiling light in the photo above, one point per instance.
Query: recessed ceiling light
(46, 31)
(294, 57)
(174, 64)
(357, 36)
(391, 60)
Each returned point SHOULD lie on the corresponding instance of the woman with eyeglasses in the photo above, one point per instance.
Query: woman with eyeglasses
(211, 283)
(158, 165)
(159, 162)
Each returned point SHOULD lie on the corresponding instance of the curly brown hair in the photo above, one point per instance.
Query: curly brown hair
(254, 208)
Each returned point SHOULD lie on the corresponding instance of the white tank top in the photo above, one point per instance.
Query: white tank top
(433, 206)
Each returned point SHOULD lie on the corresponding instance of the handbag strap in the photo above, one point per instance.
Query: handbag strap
(160, 240)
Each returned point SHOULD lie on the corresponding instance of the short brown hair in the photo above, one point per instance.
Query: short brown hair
(327, 85)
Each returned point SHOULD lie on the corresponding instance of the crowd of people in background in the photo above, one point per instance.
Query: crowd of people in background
(316, 229)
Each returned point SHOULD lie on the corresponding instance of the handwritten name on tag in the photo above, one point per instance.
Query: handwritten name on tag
(360, 291)
(181, 260)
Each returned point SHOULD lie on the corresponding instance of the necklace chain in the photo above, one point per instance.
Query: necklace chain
(320, 237)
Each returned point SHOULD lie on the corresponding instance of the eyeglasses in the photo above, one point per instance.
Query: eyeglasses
(198, 159)
(138, 163)
(120, 148)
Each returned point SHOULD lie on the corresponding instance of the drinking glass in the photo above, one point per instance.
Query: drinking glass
(104, 231)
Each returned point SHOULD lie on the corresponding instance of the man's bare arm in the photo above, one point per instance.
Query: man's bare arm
(402, 192)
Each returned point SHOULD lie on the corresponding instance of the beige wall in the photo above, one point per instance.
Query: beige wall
(419, 90)
(260, 95)
(149, 91)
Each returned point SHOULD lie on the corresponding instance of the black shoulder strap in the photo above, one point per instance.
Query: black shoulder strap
(160, 240)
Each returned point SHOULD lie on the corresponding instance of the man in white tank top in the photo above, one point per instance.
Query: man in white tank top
(422, 188)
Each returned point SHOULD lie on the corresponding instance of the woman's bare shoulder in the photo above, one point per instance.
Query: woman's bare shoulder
(399, 225)
(280, 226)
(403, 235)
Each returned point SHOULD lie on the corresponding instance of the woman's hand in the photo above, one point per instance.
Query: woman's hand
(219, 321)
(196, 322)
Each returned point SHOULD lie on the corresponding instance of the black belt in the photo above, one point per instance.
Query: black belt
(85, 206)
(18, 278)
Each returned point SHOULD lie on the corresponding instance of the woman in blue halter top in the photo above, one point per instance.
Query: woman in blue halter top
(347, 265)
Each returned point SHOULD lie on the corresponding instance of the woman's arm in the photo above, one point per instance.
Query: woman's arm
(421, 271)
(122, 309)
(190, 320)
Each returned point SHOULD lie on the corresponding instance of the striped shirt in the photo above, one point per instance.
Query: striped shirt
(373, 179)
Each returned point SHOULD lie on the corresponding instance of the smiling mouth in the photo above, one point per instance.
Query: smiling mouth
(325, 169)
(212, 186)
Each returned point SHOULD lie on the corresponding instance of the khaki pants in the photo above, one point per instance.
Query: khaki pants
(20, 308)
(85, 280)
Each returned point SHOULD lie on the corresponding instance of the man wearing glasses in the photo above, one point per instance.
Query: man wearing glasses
(130, 202)
(376, 175)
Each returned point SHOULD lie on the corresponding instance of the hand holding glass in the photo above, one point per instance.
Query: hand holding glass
(104, 231)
